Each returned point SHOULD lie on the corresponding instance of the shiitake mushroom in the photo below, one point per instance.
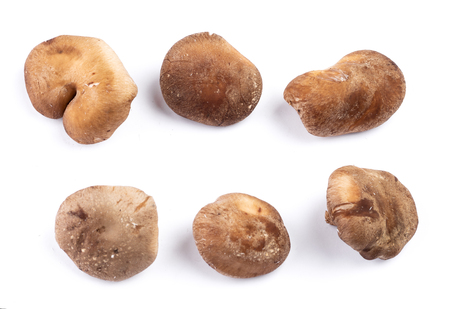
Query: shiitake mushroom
(241, 236)
(205, 79)
(82, 80)
(374, 212)
(360, 92)
(109, 232)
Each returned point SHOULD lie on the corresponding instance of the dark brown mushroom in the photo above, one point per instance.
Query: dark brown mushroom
(375, 214)
(109, 232)
(204, 79)
(360, 92)
(241, 236)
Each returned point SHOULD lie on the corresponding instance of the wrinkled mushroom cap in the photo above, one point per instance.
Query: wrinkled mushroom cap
(360, 92)
(82, 80)
(204, 79)
(241, 236)
(109, 232)
(375, 214)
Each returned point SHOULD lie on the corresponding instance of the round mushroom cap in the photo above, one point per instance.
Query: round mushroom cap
(83, 81)
(375, 214)
(204, 79)
(241, 236)
(360, 92)
(109, 232)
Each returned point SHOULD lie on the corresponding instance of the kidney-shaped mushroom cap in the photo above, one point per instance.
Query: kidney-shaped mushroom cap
(241, 236)
(360, 92)
(82, 80)
(204, 79)
(375, 214)
(109, 232)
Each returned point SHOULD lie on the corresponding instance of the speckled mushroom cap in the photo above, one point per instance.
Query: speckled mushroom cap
(241, 236)
(109, 232)
(375, 214)
(360, 92)
(83, 81)
(205, 79)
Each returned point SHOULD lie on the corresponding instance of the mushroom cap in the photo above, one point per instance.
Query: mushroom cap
(205, 79)
(375, 214)
(109, 232)
(360, 92)
(241, 236)
(82, 80)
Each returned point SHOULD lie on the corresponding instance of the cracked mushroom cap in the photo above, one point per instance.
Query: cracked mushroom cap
(83, 81)
(360, 92)
(109, 232)
(241, 236)
(205, 79)
(375, 214)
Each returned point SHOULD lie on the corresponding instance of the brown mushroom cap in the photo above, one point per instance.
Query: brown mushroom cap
(204, 79)
(360, 92)
(375, 214)
(109, 232)
(241, 236)
(82, 80)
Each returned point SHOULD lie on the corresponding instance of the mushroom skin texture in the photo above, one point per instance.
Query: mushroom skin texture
(375, 214)
(83, 81)
(205, 79)
(360, 92)
(109, 232)
(241, 236)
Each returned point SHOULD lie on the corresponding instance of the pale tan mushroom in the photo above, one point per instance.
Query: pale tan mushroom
(205, 79)
(241, 236)
(109, 232)
(375, 214)
(82, 80)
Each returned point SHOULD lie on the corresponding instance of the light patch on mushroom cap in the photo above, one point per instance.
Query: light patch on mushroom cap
(82, 80)
(375, 214)
(109, 232)
(241, 236)
(247, 204)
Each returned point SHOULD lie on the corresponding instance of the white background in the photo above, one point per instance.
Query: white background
(185, 165)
